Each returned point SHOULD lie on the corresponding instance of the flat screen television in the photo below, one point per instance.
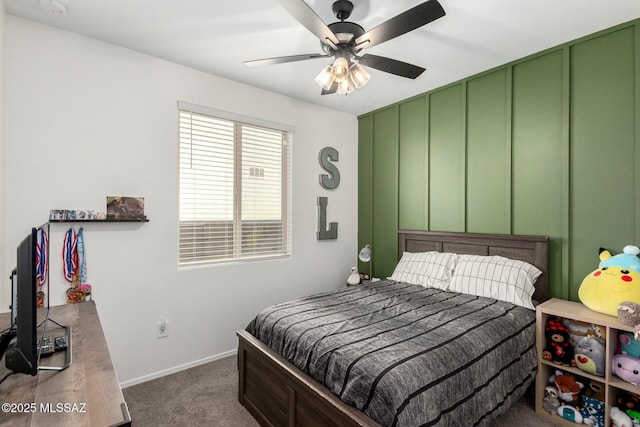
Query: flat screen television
(20, 342)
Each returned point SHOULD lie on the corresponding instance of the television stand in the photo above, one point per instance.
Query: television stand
(86, 393)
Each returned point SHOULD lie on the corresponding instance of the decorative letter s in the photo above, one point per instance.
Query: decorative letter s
(326, 156)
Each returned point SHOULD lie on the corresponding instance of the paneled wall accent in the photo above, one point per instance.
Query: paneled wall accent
(446, 150)
(384, 212)
(603, 167)
(539, 162)
(547, 145)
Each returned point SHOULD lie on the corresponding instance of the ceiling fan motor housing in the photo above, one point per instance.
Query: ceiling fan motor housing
(346, 33)
(342, 9)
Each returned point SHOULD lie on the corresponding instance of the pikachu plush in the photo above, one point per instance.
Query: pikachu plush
(616, 279)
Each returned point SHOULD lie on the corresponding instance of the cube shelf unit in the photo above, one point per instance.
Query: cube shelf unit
(577, 311)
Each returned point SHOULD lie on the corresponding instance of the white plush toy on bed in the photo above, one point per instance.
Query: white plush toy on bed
(354, 277)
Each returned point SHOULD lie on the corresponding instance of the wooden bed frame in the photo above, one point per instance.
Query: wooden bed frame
(277, 393)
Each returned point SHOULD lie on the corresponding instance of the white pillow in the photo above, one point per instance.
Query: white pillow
(429, 269)
(495, 277)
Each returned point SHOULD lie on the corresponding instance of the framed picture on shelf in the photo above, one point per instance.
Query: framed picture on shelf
(125, 208)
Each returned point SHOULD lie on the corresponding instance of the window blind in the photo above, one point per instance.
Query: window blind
(234, 190)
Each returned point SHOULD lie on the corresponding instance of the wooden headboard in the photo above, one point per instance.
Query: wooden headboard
(532, 249)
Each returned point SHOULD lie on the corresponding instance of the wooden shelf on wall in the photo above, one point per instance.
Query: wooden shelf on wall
(145, 219)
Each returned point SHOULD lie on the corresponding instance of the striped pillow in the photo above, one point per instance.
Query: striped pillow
(495, 277)
(429, 269)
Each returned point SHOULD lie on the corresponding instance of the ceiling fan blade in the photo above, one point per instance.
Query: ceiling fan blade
(332, 89)
(307, 17)
(400, 24)
(392, 66)
(282, 59)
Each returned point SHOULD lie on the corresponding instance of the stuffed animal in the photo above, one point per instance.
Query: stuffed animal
(557, 349)
(634, 415)
(592, 412)
(627, 344)
(619, 418)
(590, 354)
(550, 403)
(570, 413)
(579, 329)
(626, 368)
(568, 387)
(629, 314)
(629, 403)
(595, 390)
(354, 277)
(617, 279)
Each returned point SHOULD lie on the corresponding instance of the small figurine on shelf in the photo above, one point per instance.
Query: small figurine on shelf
(627, 344)
(354, 277)
(74, 295)
(626, 368)
(78, 292)
(590, 355)
(619, 418)
(595, 390)
(86, 289)
(568, 388)
(579, 329)
(592, 412)
(629, 403)
(557, 349)
(570, 413)
(629, 314)
(550, 403)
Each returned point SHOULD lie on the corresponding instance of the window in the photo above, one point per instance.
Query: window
(234, 187)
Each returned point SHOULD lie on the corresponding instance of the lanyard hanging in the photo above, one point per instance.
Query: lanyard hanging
(70, 255)
(42, 253)
(82, 260)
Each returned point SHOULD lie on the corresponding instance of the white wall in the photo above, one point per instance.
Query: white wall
(86, 119)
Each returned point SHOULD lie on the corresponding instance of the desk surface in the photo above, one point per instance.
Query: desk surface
(87, 393)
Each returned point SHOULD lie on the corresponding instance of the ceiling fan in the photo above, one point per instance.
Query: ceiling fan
(344, 40)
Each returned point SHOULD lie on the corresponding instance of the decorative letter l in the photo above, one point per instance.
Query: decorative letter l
(323, 233)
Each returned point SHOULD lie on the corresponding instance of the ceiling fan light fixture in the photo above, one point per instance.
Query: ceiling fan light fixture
(325, 78)
(359, 75)
(340, 70)
(345, 87)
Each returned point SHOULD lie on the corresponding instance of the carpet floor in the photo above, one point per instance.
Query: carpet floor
(207, 395)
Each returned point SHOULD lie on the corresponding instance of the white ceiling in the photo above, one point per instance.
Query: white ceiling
(215, 36)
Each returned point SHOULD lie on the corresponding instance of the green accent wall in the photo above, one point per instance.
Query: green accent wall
(538, 160)
(446, 160)
(602, 146)
(413, 186)
(488, 181)
(546, 145)
(365, 188)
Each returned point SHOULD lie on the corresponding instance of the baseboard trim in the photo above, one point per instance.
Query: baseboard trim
(178, 368)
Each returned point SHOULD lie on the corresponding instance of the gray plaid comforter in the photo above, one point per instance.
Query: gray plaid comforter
(406, 355)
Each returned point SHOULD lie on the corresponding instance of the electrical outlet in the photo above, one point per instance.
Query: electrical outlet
(163, 328)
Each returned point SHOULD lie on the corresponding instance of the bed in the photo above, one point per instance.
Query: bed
(379, 377)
